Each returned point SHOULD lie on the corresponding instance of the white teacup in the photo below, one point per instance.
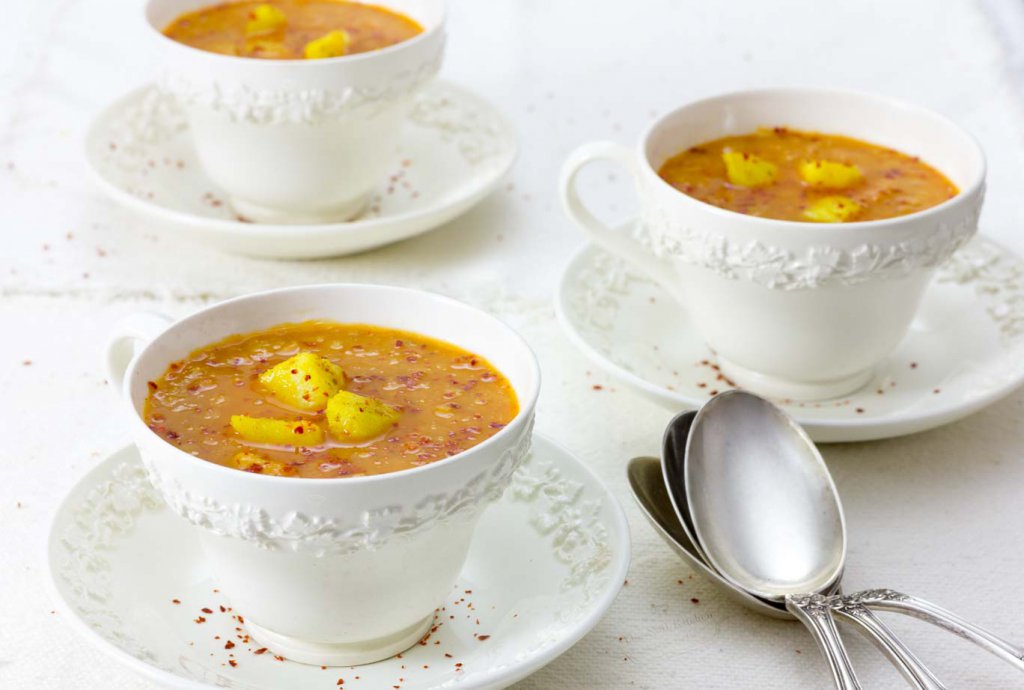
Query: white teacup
(298, 141)
(792, 310)
(336, 571)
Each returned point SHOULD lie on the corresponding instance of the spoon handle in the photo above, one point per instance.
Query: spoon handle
(888, 600)
(815, 612)
(916, 674)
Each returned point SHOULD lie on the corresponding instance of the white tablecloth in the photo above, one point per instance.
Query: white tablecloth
(938, 514)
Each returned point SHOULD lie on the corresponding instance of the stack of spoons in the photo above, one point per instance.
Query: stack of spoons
(744, 497)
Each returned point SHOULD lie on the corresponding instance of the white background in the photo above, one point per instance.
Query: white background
(938, 514)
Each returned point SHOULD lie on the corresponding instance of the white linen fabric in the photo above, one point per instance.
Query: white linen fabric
(937, 514)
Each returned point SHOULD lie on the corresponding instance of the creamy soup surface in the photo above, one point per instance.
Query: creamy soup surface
(292, 29)
(325, 399)
(806, 176)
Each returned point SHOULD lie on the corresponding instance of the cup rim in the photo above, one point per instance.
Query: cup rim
(427, 34)
(526, 411)
(969, 141)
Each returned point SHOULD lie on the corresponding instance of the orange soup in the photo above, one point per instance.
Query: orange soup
(292, 29)
(325, 399)
(805, 176)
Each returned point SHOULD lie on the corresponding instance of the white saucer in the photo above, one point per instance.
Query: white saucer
(964, 350)
(454, 151)
(547, 561)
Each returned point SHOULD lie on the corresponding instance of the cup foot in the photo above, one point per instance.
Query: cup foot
(339, 653)
(787, 389)
(263, 214)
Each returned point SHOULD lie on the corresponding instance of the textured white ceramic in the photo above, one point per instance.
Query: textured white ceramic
(331, 571)
(454, 149)
(298, 141)
(797, 310)
(963, 351)
(547, 562)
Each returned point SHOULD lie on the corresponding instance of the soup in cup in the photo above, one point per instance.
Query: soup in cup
(773, 223)
(338, 543)
(296, 122)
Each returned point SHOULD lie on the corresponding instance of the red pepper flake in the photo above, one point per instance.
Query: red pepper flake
(913, 365)
(223, 610)
(279, 658)
(261, 650)
(483, 637)
(695, 600)
(598, 387)
(232, 662)
(200, 619)
(860, 410)
(458, 665)
(341, 681)
(206, 610)
(152, 385)
(936, 391)
(448, 655)
(175, 601)
(229, 645)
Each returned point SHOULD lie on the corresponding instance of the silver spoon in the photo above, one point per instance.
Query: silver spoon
(767, 515)
(646, 481)
(747, 407)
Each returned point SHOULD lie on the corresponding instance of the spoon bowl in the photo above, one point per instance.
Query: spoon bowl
(764, 509)
(673, 468)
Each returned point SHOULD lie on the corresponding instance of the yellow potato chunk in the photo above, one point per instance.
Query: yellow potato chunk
(748, 170)
(277, 432)
(265, 19)
(353, 417)
(830, 174)
(305, 381)
(832, 209)
(257, 464)
(334, 44)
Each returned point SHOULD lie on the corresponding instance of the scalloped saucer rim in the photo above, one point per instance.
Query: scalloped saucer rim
(847, 419)
(465, 188)
(583, 493)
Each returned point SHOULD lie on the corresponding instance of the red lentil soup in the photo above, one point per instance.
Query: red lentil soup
(292, 29)
(806, 176)
(325, 399)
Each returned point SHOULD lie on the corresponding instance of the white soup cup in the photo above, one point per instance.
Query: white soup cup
(337, 571)
(298, 141)
(791, 309)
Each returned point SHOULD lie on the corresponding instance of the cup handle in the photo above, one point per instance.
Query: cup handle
(128, 334)
(613, 241)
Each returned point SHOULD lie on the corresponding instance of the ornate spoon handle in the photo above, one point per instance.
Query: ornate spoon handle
(888, 600)
(915, 673)
(815, 612)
